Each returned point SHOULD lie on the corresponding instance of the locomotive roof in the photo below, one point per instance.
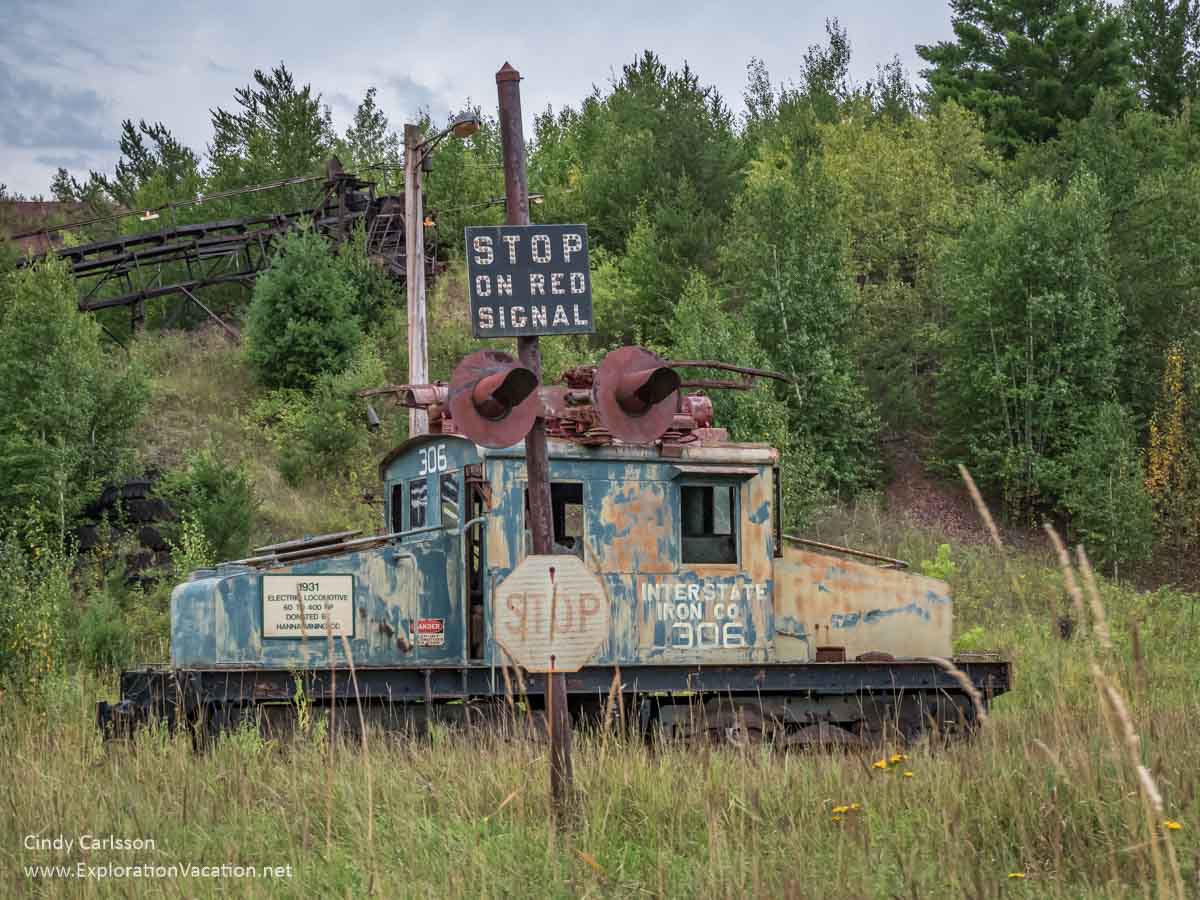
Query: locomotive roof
(705, 452)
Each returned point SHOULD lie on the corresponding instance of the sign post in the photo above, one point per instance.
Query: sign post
(537, 465)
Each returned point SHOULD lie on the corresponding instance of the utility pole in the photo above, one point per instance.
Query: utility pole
(414, 254)
(516, 195)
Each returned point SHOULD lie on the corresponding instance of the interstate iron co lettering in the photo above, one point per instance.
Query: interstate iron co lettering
(702, 615)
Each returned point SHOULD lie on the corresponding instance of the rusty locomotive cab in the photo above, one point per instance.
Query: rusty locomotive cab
(720, 627)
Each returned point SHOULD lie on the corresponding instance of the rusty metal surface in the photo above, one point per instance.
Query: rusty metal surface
(636, 395)
(126, 270)
(493, 399)
(825, 601)
(849, 551)
(627, 528)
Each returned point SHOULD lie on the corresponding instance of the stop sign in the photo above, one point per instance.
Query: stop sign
(552, 606)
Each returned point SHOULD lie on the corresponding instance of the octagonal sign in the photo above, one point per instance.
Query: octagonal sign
(552, 606)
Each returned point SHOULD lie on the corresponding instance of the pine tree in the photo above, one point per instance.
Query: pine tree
(1025, 65)
(1162, 35)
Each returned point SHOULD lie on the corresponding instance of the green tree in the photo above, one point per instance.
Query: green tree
(277, 130)
(905, 189)
(891, 94)
(217, 495)
(1024, 66)
(1032, 337)
(1163, 36)
(1105, 490)
(369, 141)
(301, 320)
(825, 73)
(637, 144)
(786, 268)
(699, 323)
(67, 408)
(1146, 165)
(152, 158)
(464, 178)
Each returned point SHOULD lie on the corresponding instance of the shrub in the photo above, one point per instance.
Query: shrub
(192, 551)
(323, 431)
(302, 319)
(1105, 491)
(1032, 339)
(33, 605)
(218, 497)
(104, 638)
(67, 409)
(942, 566)
(374, 290)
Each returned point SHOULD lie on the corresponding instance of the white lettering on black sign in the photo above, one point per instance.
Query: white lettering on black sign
(527, 280)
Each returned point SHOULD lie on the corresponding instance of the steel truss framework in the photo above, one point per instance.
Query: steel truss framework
(129, 270)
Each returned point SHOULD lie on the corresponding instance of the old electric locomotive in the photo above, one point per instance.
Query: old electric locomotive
(720, 625)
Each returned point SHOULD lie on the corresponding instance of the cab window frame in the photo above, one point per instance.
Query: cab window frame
(702, 544)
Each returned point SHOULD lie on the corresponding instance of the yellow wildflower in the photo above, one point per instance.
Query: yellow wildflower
(837, 818)
(1016, 874)
(838, 810)
(879, 764)
(855, 806)
(1172, 825)
(908, 774)
(898, 758)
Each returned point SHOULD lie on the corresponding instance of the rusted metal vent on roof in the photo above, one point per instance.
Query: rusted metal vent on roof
(636, 395)
(493, 399)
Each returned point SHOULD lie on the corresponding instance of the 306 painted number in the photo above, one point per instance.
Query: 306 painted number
(433, 460)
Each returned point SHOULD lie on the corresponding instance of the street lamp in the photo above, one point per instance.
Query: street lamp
(417, 151)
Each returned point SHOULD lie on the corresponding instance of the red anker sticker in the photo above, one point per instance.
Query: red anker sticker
(431, 632)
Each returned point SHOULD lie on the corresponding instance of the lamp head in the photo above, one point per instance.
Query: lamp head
(465, 125)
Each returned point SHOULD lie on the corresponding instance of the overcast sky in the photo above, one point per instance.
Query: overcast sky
(71, 70)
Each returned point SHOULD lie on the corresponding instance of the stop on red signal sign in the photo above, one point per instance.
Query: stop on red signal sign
(552, 606)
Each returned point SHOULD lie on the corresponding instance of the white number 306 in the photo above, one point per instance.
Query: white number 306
(433, 460)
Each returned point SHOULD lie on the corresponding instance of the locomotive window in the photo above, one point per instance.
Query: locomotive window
(566, 517)
(418, 496)
(778, 511)
(398, 508)
(709, 523)
(449, 485)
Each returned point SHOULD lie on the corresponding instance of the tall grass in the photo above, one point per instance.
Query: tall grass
(1049, 800)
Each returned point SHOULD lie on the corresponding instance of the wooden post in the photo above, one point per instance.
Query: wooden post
(414, 254)
(537, 463)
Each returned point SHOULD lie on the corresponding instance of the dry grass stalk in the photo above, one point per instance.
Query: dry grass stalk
(967, 685)
(1152, 802)
(611, 703)
(508, 690)
(362, 728)
(332, 735)
(1099, 619)
(1068, 573)
(1141, 681)
(984, 512)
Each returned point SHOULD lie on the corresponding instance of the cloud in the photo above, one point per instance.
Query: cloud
(40, 114)
(64, 160)
(408, 96)
(341, 101)
(218, 69)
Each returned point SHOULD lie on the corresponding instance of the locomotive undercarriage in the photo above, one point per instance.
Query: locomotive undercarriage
(821, 705)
